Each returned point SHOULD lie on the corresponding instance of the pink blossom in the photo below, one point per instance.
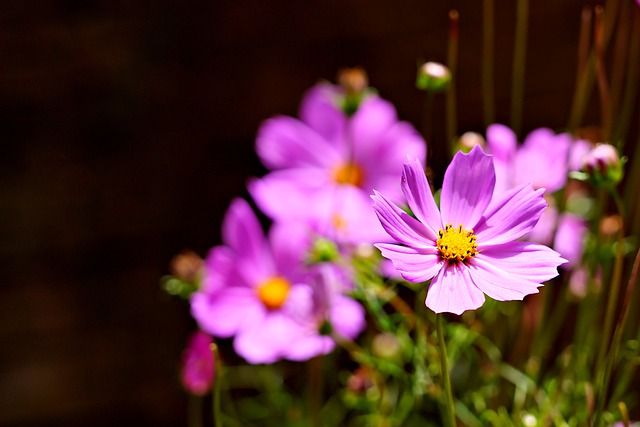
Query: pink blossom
(198, 366)
(470, 246)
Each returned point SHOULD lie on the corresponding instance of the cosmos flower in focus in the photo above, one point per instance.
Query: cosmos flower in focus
(328, 162)
(198, 366)
(257, 290)
(470, 247)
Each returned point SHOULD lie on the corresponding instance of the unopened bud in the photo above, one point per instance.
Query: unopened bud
(433, 77)
(468, 140)
(323, 250)
(186, 266)
(385, 346)
(353, 80)
(604, 166)
(198, 365)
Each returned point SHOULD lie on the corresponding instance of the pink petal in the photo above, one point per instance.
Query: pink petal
(346, 316)
(467, 188)
(300, 186)
(453, 291)
(501, 142)
(242, 232)
(268, 339)
(224, 313)
(373, 118)
(498, 283)
(526, 261)
(417, 191)
(510, 216)
(285, 142)
(309, 346)
(400, 225)
(320, 110)
(569, 241)
(542, 160)
(383, 162)
(414, 264)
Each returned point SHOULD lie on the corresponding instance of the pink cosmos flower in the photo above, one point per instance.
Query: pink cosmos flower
(258, 291)
(544, 160)
(327, 163)
(470, 247)
(197, 364)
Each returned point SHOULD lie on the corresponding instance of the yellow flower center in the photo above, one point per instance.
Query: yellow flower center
(348, 173)
(456, 244)
(273, 292)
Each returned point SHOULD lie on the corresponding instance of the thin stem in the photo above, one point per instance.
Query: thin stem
(601, 74)
(487, 62)
(450, 410)
(217, 412)
(519, 64)
(604, 366)
(452, 60)
(631, 90)
(620, 54)
(315, 390)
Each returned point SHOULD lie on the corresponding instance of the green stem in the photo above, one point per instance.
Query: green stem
(217, 412)
(452, 60)
(519, 64)
(604, 365)
(450, 410)
(487, 62)
(601, 74)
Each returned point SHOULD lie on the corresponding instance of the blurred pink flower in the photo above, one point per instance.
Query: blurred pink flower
(325, 165)
(470, 247)
(258, 290)
(198, 366)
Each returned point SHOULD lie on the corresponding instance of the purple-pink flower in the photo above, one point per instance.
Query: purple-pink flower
(470, 246)
(325, 165)
(198, 366)
(259, 291)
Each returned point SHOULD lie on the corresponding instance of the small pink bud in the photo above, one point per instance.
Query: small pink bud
(197, 364)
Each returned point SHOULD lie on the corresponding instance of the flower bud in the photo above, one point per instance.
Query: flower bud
(385, 346)
(198, 366)
(468, 140)
(433, 77)
(323, 250)
(353, 80)
(603, 165)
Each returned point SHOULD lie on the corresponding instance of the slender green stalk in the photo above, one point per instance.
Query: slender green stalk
(452, 61)
(488, 91)
(519, 65)
(450, 410)
(631, 90)
(601, 74)
(315, 390)
(217, 412)
(620, 55)
(605, 365)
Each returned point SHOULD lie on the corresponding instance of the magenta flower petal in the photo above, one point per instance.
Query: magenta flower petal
(400, 225)
(569, 241)
(224, 313)
(285, 142)
(300, 186)
(268, 339)
(467, 188)
(498, 283)
(511, 216)
(414, 264)
(320, 110)
(543, 231)
(543, 160)
(417, 191)
(525, 260)
(242, 232)
(373, 118)
(502, 142)
(453, 291)
(347, 317)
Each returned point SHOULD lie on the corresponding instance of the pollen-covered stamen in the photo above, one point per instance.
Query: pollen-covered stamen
(456, 244)
(273, 292)
(348, 173)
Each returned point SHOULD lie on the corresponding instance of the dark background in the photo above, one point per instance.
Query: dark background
(128, 126)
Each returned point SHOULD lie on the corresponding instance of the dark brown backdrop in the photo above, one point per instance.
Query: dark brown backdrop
(127, 126)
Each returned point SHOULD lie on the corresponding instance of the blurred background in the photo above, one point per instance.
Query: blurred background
(128, 126)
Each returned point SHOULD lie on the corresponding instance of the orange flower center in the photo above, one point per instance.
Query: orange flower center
(348, 173)
(456, 244)
(273, 292)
